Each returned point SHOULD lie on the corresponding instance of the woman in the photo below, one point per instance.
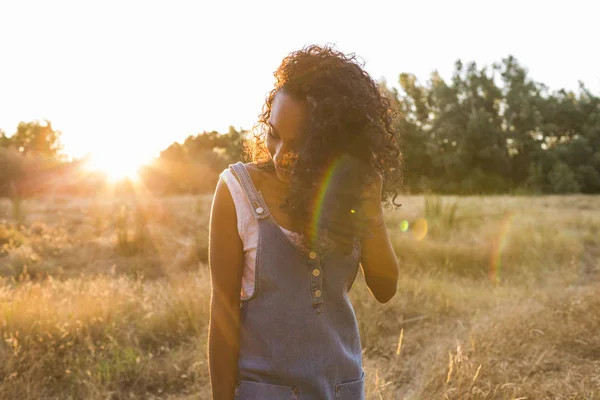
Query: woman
(289, 230)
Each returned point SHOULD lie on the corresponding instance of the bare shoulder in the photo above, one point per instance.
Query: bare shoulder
(222, 199)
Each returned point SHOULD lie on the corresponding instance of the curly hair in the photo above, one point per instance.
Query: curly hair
(350, 124)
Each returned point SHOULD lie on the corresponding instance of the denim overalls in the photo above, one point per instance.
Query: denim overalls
(298, 333)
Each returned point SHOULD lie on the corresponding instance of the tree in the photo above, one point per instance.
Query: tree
(194, 166)
(12, 169)
(562, 179)
(490, 130)
(37, 139)
(4, 140)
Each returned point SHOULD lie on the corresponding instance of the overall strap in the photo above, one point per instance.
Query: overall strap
(259, 208)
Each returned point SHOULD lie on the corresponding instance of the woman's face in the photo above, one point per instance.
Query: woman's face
(284, 132)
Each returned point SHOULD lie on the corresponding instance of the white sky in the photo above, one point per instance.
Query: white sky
(120, 75)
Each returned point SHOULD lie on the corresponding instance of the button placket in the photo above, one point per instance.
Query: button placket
(316, 278)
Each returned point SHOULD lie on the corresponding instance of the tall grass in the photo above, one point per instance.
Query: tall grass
(440, 211)
(85, 338)
(82, 318)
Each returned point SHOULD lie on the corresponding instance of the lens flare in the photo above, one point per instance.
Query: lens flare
(339, 169)
(320, 199)
(499, 245)
(404, 225)
(419, 229)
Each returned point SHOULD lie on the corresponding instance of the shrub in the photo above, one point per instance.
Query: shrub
(562, 179)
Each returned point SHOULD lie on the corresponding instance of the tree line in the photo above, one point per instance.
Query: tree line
(496, 130)
(485, 130)
(31, 163)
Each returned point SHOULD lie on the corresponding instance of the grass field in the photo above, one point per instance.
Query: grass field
(498, 298)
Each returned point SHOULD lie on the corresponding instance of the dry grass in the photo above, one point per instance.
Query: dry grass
(109, 299)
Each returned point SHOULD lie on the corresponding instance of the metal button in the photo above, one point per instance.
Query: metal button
(317, 293)
(260, 210)
(312, 255)
(316, 272)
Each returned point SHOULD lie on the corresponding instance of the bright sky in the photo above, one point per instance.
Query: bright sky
(143, 74)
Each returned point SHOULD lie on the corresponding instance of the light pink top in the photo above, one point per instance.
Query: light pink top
(247, 227)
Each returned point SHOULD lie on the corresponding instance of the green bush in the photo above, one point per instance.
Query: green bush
(562, 179)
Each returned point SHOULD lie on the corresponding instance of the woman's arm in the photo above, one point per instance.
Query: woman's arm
(378, 260)
(225, 259)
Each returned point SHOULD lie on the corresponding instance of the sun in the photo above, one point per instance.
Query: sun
(115, 166)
